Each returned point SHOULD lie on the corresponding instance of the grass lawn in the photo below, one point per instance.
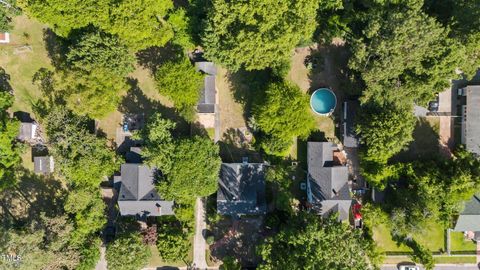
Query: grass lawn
(157, 261)
(433, 239)
(231, 111)
(425, 140)
(459, 244)
(452, 259)
(21, 67)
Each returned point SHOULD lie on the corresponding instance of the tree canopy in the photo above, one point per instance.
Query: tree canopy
(9, 128)
(308, 242)
(138, 23)
(257, 35)
(127, 252)
(82, 158)
(282, 114)
(179, 80)
(195, 168)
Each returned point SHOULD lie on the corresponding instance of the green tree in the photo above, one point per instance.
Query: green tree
(87, 206)
(5, 19)
(93, 50)
(93, 94)
(9, 128)
(83, 159)
(384, 132)
(127, 252)
(257, 35)
(194, 173)
(181, 83)
(159, 147)
(173, 243)
(307, 242)
(400, 53)
(282, 114)
(279, 178)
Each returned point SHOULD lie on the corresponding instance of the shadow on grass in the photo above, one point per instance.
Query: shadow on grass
(234, 146)
(136, 102)
(425, 143)
(154, 57)
(33, 195)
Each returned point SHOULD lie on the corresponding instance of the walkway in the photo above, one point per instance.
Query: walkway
(199, 241)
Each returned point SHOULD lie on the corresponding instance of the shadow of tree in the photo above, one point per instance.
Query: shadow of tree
(425, 142)
(34, 195)
(136, 102)
(5, 81)
(56, 48)
(234, 146)
(154, 57)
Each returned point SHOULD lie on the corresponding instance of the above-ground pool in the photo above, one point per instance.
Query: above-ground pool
(323, 101)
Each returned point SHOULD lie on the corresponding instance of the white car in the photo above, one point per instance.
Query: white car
(409, 267)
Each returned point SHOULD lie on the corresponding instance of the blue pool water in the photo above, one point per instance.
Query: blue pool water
(323, 101)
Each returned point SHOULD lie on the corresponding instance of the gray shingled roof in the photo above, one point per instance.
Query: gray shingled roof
(469, 219)
(206, 103)
(241, 189)
(43, 165)
(137, 194)
(327, 184)
(472, 133)
(350, 109)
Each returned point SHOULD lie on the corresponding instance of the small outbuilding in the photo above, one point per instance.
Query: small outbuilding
(43, 165)
(27, 132)
(241, 189)
(207, 104)
(350, 109)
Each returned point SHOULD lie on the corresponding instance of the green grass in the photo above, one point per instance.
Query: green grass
(452, 259)
(433, 238)
(211, 133)
(459, 244)
(22, 67)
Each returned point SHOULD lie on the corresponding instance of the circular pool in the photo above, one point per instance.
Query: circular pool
(323, 101)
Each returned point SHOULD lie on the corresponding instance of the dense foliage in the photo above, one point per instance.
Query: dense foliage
(308, 242)
(182, 84)
(9, 128)
(82, 158)
(282, 114)
(127, 252)
(259, 34)
(5, 19)
(138, 23)
(194, 172)
(94, 50)
(172, 243)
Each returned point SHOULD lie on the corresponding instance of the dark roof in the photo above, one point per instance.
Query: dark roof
(206, 67)
(137, 194)
(206, 103)
(469, 218)
(43, 164)
(241, 189)
(350, 109)
(472, 132)
(327, 184)
(134, 155)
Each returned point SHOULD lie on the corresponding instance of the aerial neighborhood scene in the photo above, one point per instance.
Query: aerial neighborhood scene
(240, 134)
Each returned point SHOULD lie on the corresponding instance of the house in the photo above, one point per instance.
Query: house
(207, 104)
(469, 219)
(43, 165)
(350, 138)
(327, 181)
(241, 189)
(471, 119)
(137, 195)
(28, 131)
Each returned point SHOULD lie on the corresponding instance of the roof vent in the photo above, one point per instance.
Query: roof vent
(334, 192)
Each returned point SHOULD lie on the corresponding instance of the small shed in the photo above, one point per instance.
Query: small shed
(28, 131)
(43, 165)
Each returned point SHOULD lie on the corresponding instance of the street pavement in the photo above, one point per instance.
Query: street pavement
(438, 267)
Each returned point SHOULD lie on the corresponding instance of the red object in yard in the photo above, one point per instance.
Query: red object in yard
(356, 211)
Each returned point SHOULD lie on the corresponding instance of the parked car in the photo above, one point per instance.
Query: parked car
(433, 105)
(409, 267)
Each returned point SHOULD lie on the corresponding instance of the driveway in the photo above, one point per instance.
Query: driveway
(199, 261)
